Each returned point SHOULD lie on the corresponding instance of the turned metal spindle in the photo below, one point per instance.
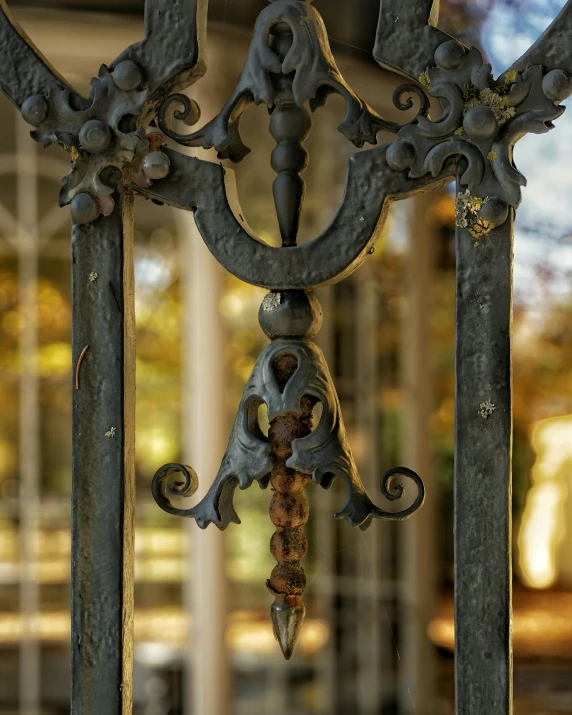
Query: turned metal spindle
(289, 509)
(289, 126)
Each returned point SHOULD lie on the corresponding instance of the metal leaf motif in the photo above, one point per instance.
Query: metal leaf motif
(324, 454)
(315, 77)
(116, 111)
(481, 120)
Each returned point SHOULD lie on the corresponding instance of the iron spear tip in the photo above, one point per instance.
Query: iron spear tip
(287, 613)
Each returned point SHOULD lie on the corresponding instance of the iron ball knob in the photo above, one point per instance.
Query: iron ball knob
(95, 136)
(494, 210)
(35, 109)
(449, 55)
(128, 76)
(293, 314)
(400, 155)
(84, 208)
(156, 165)
(480, 122)
(557, 85)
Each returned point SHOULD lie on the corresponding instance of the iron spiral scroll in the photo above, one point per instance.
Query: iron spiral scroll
(163, 487)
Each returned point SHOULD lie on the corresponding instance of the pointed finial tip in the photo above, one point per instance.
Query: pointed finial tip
(288, 613)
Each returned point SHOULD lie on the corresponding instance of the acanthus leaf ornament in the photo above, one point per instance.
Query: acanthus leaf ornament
(104, 132)
(315, 77)
(482, 119)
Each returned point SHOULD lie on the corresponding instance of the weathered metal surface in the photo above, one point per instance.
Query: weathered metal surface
(109, 128)
(289, 65)
(407, 35)
(103, 473)
(24, 71)
(483, 478)
(324, 454)
(210, 191)
(174, 49)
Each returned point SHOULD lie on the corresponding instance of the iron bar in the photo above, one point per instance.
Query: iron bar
(103, 481)
(483, 117)
(483, 441)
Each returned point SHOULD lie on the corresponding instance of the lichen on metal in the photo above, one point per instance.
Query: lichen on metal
(486, 409)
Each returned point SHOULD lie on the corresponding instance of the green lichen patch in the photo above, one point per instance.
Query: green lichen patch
(492, 155)
(486, 409)
(425, 80)
(491, 98)
(459, 132)
(467, 209)
(508, 80)
(470, 93)
(510, 77)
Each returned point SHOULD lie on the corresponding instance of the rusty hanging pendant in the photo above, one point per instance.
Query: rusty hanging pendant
(290, 376)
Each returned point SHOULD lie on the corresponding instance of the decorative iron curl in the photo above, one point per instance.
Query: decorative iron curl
(391, 492)
(162, 487)
(394, 491)
(190, 113)
(409, 89)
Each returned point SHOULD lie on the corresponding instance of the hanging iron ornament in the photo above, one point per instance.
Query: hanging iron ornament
(115, 149)
(289, 66)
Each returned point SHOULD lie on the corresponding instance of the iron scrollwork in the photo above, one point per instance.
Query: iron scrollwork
(290, 377)
(481, 121)
(324, 454)
(290, 68)
(315, 76)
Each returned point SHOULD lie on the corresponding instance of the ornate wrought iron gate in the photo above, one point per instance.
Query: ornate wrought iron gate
(116, 139)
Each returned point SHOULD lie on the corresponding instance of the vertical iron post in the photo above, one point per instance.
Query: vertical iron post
(103, 462)
(483, 491)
